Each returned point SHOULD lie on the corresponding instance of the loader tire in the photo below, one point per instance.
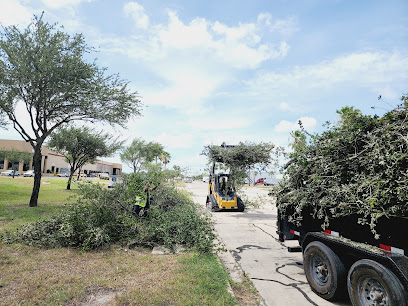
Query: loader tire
(240, 204)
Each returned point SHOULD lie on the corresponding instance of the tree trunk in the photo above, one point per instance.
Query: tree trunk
(69, 182)
(37, 176)
(71, 174)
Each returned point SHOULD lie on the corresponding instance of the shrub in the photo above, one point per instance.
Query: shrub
(179, 225)
(105, 216)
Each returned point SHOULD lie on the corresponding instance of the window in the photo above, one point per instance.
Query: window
(25, 166)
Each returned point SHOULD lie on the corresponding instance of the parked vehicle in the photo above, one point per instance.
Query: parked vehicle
(63, 174)
(103, 175)
(347, 257)
(206, 179)
(10, 173)
(29, 173)
(267, 179)
(188, 179)
(260, 181)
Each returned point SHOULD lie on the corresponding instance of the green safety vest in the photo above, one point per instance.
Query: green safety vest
(141, 202)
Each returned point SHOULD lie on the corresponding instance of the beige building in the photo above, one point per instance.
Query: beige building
(52, 163)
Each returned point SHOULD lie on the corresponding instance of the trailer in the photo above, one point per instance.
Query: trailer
(346, 258)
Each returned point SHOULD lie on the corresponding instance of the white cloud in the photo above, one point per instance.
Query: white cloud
(59, 4)
(137, 13)
(217, 122)
(13, 12)
(239, 47)
(184, 140)
(284, 26)
(193, 164)
(192, 59)
(283, 106)
(387, 93)
(309, 124)
(366, 69)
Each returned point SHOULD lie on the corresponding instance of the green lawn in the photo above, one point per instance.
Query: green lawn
(15, 195)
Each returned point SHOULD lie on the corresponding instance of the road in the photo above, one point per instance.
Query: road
(251, 238)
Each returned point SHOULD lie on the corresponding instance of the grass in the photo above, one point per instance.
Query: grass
(117, 276)
(113, 276)
(15, 196)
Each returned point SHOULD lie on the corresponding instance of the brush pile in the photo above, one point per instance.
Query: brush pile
(358, 166)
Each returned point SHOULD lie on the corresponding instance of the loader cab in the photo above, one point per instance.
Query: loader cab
(222, 185)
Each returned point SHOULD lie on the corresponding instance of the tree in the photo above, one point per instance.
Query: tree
(299, 140)
(3, 121)
(15, 156)
(81, 146)
(134, 155)
(165, 158)
(154, 150)
(140, 153)
(44, 69)
(241, 158)
(255, 174)
(348, 114)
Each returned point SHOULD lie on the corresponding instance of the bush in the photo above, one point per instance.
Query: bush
(105, 216)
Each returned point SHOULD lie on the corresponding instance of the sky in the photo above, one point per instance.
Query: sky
(232, 71)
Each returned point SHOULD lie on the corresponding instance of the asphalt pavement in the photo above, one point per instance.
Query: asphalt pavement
(251, 239)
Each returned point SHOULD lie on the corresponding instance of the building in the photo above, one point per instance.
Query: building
(52, 163)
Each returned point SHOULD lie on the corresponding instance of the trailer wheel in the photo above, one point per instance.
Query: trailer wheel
(370, 283)
(324, 271)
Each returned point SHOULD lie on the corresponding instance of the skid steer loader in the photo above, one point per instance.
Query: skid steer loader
(222, 194)
(222, 190)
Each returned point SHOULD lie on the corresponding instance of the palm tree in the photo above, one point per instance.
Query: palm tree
(255, 174)
(165, 159)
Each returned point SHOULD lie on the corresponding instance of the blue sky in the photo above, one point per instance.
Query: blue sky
(214, 71)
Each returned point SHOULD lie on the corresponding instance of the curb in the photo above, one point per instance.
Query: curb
(234, 270)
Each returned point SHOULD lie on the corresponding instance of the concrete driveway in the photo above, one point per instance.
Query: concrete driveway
(252, 240)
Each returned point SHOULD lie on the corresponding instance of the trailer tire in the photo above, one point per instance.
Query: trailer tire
(324, 271)
(369, 282)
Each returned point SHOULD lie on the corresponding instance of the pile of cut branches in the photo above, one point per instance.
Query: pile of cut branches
(358, 166)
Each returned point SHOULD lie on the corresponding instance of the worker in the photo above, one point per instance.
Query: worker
(142, 204)
(139, 207)
(223, 187)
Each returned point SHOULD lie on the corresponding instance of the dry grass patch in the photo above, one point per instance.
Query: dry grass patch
(109, 277)
(246, 293)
